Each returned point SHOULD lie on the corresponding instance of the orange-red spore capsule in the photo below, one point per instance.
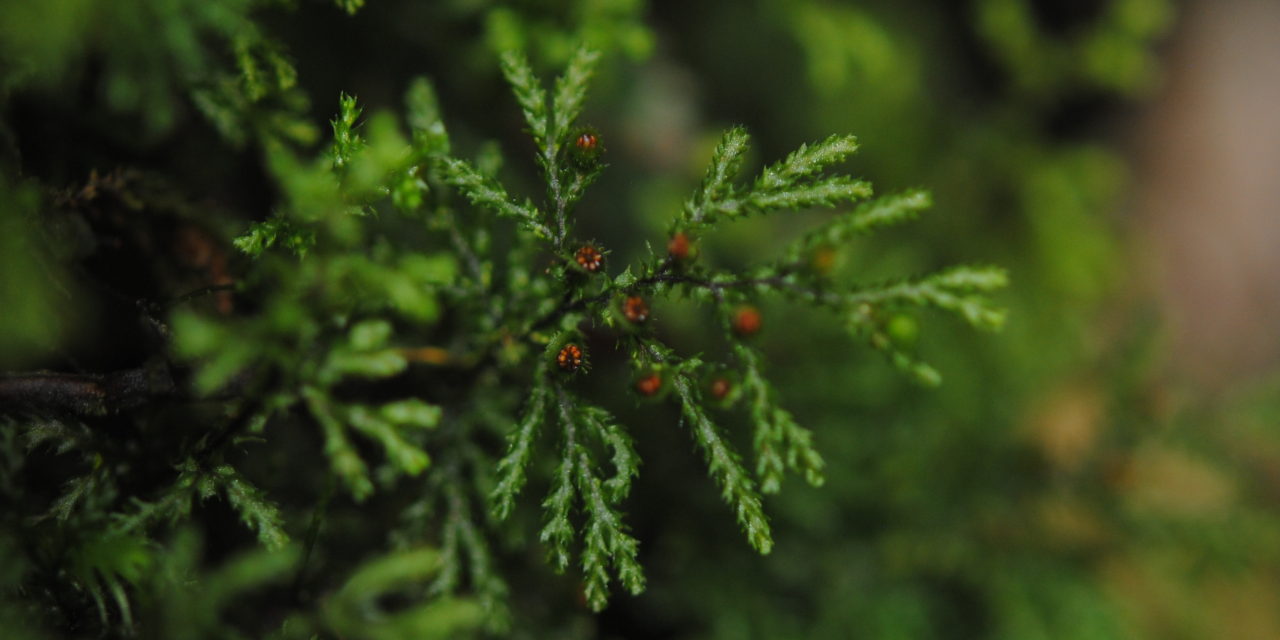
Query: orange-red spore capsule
(649, 385)
(720, 388)
(678, 246)
(589, 257)
(746, 321)
(570, 357)
(635, 309)
(587, 142)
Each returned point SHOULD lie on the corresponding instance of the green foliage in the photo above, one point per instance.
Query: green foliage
(736, 486)
(374, 381)
(1112, 53)
(783, 185)
(31, 322)
(343, 303)
(354, 610)
(266, 234)
(793, 183)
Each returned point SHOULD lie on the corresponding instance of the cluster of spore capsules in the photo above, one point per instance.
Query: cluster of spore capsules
(571, 358)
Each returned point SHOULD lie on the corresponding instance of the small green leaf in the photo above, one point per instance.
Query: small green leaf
(412, 412)
(370, 334)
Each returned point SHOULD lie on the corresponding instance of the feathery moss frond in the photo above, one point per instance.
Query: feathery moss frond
(717, 184)
(256, 511)
(780, 442)
(484, 191)
(342, 455)
(872, 215)
(422, 112)
(529, 94)
(793, 183)
(399, 321)
(626, 464)
(806, 161)
(557, 533)
(736, 486)
(510, 470)
(571, 91)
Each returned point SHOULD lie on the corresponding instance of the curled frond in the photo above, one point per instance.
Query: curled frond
(626, 463)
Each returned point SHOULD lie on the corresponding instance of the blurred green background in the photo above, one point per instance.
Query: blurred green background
(1106, 467)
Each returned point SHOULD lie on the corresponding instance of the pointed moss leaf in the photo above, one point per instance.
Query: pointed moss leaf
(973, 278)
(571, 91)
(405, 455)
(791, 184)
(412, 413)
(485, 192)
(605, 541)
(889, 210)
(342, 455)
(511, 468)
(256, 512)
(346, 142)
(624, 279)
(960, 290)
(376, 364)
(780, 442)
(275, 231)
(529, 93)
(423, 114)
(868, 216)
(806, 161)
(827, 192)
(736, 486)
(557, 533)
(717, 184)
(370, 334)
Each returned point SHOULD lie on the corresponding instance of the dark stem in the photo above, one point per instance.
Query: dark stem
(313, 532)
(84, 394)
(201, 292)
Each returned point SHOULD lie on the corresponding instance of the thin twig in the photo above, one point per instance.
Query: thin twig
(84, 394)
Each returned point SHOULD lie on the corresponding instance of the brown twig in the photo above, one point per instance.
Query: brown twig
(83, 394)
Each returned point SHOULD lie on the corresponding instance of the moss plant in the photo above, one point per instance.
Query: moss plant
(404, 337)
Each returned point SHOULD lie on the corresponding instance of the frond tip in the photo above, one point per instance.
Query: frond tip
(791, 184)
(736, 486)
